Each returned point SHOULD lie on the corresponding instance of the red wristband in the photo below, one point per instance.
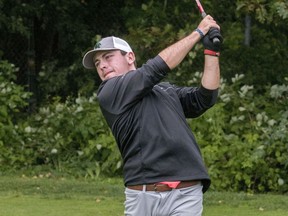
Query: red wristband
(211, 52)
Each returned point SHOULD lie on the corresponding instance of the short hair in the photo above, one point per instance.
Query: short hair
(124, 53)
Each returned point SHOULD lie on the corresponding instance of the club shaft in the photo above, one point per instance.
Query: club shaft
(201, 9)
(203, 14)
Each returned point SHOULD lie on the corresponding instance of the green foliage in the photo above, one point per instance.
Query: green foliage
(270, 12)
(244, 138)
(149, 34)
(261, 62)
(55, 34)
(12, 102)
(281, 8)
(71, 137)
(12, 96)
(64, 82)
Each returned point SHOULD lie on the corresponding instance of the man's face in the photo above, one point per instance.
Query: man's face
(112, 63)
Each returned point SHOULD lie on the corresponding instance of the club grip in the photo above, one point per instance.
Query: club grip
(216, 41)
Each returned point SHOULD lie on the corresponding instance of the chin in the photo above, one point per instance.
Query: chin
(109, 76)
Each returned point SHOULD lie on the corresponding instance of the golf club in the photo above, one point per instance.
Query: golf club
(216, 40)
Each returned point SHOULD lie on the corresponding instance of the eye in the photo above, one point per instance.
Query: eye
(108, 56)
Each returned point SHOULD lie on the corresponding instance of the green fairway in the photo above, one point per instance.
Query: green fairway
(28, 196)
(35, 206)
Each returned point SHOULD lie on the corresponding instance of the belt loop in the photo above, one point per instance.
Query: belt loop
(144, 188)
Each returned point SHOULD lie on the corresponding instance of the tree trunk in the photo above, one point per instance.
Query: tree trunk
(247, 30)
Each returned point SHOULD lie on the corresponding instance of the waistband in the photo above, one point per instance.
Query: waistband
(163, 187)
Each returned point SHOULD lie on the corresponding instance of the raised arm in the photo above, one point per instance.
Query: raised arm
(174, 54)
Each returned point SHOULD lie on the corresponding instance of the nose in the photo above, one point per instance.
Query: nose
(102, 64)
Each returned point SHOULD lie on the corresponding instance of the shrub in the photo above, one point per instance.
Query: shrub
(13, 99)
(72, 137)
(244, 137)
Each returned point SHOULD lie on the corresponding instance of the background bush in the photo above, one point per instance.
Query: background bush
(243, 138)
(13, 100)
(60, 127)
(69, 136)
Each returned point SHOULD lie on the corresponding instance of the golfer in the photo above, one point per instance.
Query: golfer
(164, 173)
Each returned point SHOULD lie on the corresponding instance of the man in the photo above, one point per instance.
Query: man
(164, 173)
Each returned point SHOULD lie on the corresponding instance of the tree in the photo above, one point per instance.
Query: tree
(46, 39)
(37, 35)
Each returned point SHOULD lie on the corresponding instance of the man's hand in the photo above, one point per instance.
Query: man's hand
(206, 24)
(207, 40)
(209, 29)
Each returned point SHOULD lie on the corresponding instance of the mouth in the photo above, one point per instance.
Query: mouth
(107, 73)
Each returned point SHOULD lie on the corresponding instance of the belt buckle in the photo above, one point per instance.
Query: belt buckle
(158, 185)
(155, 187)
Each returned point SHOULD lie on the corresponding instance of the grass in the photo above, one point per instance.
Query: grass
(49, 195)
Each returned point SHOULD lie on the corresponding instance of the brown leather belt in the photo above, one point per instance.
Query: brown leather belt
(163, 187)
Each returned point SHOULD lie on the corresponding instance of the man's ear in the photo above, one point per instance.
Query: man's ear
(131, 58)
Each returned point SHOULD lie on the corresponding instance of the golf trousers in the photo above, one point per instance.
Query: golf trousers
(177, 202)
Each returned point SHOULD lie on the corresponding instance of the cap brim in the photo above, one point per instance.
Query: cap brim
(87, 60)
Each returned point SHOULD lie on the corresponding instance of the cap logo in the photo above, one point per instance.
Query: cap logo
(98, 45)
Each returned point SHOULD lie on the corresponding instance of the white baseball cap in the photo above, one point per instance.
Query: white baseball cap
(107, 43)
